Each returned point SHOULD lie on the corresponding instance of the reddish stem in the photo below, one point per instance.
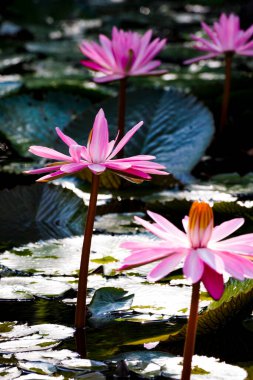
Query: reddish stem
(191, 333)
(122, 112)
(226, 92)
(80, 319)
(80, 338)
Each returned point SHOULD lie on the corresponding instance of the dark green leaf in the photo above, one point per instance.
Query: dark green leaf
(107, 300)
(31, 213)
(27, 120)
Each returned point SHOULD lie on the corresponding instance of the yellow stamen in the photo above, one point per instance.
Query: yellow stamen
(200, 213)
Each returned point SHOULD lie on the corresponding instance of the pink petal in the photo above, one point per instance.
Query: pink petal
(66, 139)
(166, 266)
(75, 167)
(140, 157)
(132, 173)
(225, 229)
(156, 230)
(92, 65)
(233, 265)
(185, 223)
(117, 165)
(45, 152)
(168, 227)
(75, 152)
(97, 168)
(125, 139)
(109, 78)
(99, 139)
(213, 282)
(151, 73)
(145, 256)
(200, 58)
(193, 267)
(51, 177)
(211, 259)
(47, 169)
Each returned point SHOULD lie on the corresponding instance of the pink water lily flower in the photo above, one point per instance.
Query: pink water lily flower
(201, 247)
(224, 37)
(126, 54)
(97, 156)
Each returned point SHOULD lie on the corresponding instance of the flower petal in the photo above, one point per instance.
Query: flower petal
(225, 229)
(125, 140)
(193, 266)
(66, 139)
(75, 167)
(98, 144)
(97, 168)
(145, 256)
(166, 266)
(168, 227)
(211, 258)
(213, 282)
(45, 152)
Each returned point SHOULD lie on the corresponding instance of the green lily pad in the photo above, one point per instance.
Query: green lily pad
(30, 213)
(50, 356)
(25, 288)
(82, 364)
(177, 128)
(150, 364)
(34, 338)
(9, 373)
(27, 119)
(107, 300)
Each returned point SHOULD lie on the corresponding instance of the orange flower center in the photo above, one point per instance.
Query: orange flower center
(200, 224)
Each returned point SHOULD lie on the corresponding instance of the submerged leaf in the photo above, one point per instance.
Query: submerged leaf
(27, 120)
(30, 213)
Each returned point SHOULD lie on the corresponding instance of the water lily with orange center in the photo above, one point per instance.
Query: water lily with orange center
(205, 254)
(202, 249)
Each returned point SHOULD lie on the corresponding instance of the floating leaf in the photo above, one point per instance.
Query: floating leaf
(62, 257)
(27, 120)
(107, 300)
(117, 223)
(9, 373)
(25, 288)
(34, 338)
(154, 363)
(30, 213)
(177, 128)
(82, 364)
(236, 303)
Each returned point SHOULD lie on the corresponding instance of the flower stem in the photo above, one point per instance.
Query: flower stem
(122, 112)
(191, 333)
(226, 93)
(80, 338)
(80, 319)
